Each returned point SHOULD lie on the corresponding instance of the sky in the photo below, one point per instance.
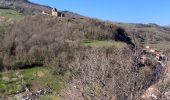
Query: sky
(129, 11)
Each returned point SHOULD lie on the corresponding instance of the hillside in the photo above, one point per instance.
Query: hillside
(148, 34)
(9, 14)
(23, 6)
(52, 45)
(65, 46)
(82, 58)
(26, 8)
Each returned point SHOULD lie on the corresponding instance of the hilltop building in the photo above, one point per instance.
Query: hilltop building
(57, 13)
(53, 12)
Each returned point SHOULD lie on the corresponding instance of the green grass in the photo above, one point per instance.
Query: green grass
(10, 83)
(44, 77)
(105, 44)
(49, 97)
(8, 13)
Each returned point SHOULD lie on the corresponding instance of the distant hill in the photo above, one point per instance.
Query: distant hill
(23, 6)
(149, 34)
(28, 8)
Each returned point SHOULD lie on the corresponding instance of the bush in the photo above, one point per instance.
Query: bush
(37, 40)
(105, 73)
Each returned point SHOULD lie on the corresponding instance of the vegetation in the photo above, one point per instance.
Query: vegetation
(95, 57)
(105, 44)
(153, 35)
(29, 43)
(49, 97)
(8, 13)
(13, 82)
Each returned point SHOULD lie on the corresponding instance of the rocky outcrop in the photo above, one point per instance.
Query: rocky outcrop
(161, 68)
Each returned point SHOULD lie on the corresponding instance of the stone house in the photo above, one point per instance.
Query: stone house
(53, 12)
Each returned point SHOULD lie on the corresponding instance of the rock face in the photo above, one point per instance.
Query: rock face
(167, 95)
(153, 92)
(159, 63)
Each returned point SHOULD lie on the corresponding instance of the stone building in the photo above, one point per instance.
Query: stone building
(55, 12)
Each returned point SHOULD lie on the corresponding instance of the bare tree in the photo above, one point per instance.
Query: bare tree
(107, 73)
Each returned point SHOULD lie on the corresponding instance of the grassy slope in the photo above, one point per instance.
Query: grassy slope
(8, 13)
(101, 44)
(38, 77)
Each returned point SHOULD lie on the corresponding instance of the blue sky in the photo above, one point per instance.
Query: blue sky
(131, 11)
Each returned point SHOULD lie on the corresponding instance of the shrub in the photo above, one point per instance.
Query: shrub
(37, 40)
(104, 73)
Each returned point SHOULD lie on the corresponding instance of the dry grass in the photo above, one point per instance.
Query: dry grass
(161, 45)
